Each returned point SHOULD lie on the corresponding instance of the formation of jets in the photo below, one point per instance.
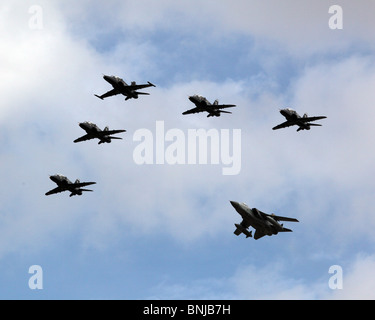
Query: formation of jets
(263, 223)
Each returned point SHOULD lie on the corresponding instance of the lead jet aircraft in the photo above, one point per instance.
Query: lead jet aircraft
(293, 118)
(202, 104)
(93, 131)
(64, 184)
(263, 223)
(121, 87)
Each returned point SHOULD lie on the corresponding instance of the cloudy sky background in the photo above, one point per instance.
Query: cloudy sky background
(166, 231)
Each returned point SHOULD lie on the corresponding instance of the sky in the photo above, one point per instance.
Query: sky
(164, 229)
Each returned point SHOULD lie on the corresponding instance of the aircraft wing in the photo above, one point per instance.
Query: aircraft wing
(114, 131)
(109, 132)
(279, 218)
(308, 119)
(82, 184)
(140, 86)
(110, 93)
(84, 138)
(223, 106)
(258, 234)
(194, 110)
(284, 125)
(56, 190)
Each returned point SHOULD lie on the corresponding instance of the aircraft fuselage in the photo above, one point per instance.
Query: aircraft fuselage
(60, 180)
(292, 115)
(202, 103)
(95, 132)
(255, 219)
(90, 128)
(121, 86)
(66, 185)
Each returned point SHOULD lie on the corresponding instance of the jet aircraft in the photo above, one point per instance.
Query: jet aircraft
(263, 223)
(293, 118)
(202, 104)
(93, 131)
(64, 184)
(121, 87)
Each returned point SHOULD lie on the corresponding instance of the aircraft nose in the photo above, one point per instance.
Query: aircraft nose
(234, 204)
(107, 78)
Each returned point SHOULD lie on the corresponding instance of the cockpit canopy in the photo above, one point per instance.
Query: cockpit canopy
(290, 110)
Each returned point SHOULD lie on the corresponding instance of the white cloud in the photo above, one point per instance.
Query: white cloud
(246, 283)
(357, 280)
(301, 27)
(273, 282)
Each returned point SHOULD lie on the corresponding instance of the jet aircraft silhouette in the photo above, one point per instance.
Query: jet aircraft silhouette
(64, 184)
(293, 118)
(93, 131)
(263, 223)
(202, 105)
(121, 87)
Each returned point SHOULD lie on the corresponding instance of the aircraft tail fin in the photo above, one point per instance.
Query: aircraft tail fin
(144, 93)
(315, 124)
(78, 192)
